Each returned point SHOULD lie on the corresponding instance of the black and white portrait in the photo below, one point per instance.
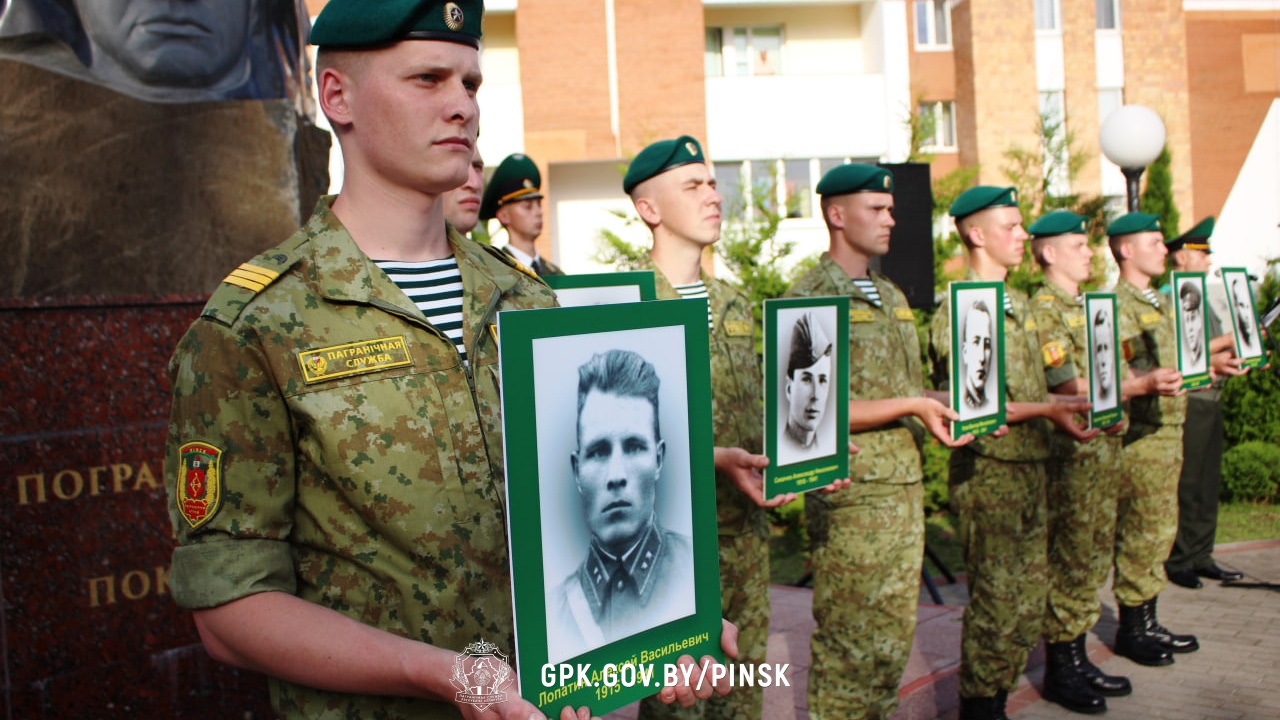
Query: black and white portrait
(1240, 295)
(977, 312)
(805, 355)
(1103, 377)
(1190, 304)
(614, 483)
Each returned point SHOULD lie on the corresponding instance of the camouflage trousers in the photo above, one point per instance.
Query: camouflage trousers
(866, 585)
(744, 601)
(1147, 516)
(1002, 531)
(1083, 492)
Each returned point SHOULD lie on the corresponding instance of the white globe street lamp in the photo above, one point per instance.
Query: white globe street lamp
(1132, 137)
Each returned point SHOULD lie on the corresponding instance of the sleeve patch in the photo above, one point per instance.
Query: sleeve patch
(1127, 347)
(1054, 356)
(199, 482)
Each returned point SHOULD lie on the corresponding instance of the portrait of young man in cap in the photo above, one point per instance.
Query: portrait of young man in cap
(1191, 303)
(1246, 318)
(1104, 369)
(805, 390)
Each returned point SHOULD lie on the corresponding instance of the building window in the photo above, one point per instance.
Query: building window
(743, 51)
(1108, 15)
(1046, 14)
(933, 23)
(942, 117)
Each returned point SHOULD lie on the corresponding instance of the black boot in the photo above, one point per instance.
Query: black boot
(1065, 684)
(1159, 633)
(1102, 683)
(983, 708)
(1133, 642)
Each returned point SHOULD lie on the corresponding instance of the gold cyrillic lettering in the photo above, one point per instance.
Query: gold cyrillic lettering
(95, 488)
(144, 478)
(77, 483)
(162, 579)
(126, 584)
(23, 497)
(106, 581)
(119, 473)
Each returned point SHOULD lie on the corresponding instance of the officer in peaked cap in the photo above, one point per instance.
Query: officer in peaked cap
(514, 196)
(1202, 437)
(322, 553)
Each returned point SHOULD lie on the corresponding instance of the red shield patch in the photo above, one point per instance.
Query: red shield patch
(199, 482)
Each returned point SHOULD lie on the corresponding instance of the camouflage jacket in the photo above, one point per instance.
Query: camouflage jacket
(1064, 350)
(736, 388)
(327, 441)
(1147, 341)
(1023, 377)
(884, 362)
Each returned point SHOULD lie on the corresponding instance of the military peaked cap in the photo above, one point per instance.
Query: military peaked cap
(517, 178)
(1197, 238)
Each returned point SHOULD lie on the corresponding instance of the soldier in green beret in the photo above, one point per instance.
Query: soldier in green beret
(1083, 478)
(1202, 439)
(462, 204)
(998, 483)
(1152, 457)
(868, 541)
(334, 462)
(675, 195)
(514, 196)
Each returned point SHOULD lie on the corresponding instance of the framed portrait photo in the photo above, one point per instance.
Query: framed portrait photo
(611, 490)
(1190, 303)
(1103, 338)
(977, 356)
(602, 288)
(1244, 318)
(806, 393)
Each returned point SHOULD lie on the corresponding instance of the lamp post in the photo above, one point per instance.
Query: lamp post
(1132, 137)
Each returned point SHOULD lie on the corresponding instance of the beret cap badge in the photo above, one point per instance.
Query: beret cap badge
(453, 17)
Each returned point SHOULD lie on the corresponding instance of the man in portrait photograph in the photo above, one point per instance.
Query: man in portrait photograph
(806, 388)
(636, 574)
(975, 357)
(1104, 358)
(1191, 302)
(1244, 315)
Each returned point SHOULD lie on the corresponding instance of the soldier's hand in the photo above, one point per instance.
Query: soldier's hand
(1165, 381)
(1226, 363)
(1063, 414)
(1001, 431)
(937, 419)
(1117, 429)
(743, 470)
(696, 681)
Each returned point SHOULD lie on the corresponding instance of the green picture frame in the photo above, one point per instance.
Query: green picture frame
(559, 515)
(1244, 318)
(1191, 327)
(603, 288)
(977, 374)
(806, 404)
(1102, 340)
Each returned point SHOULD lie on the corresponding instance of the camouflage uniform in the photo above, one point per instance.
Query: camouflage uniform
(998, 493)
(377, 493)
(1084, 480)
(737, 419)
(868, 540)
(1152, 459)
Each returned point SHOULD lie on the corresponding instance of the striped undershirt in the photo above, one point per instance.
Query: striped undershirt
(435, 287)
(694, 291)
(1152, 296)
(868, 288)
(1008, 303)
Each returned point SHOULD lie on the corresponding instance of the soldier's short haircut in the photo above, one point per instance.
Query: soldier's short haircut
(619, 372)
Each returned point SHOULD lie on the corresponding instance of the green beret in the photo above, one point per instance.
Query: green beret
(517, 178)
(1197, 238)
(855, 177)
(981, 198)
(1059, 222)
(661, 157)
(358, 23)
(1132, 223)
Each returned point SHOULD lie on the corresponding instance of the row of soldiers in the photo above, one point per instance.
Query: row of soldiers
(342, 530)
(1045, 508)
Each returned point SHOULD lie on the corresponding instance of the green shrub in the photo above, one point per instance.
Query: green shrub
(1251, 472)
(936, 495)
(1251, 408)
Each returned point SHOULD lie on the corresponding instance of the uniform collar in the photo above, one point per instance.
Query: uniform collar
(639, 564)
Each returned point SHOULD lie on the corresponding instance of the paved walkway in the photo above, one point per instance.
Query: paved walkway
(1234, 676)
